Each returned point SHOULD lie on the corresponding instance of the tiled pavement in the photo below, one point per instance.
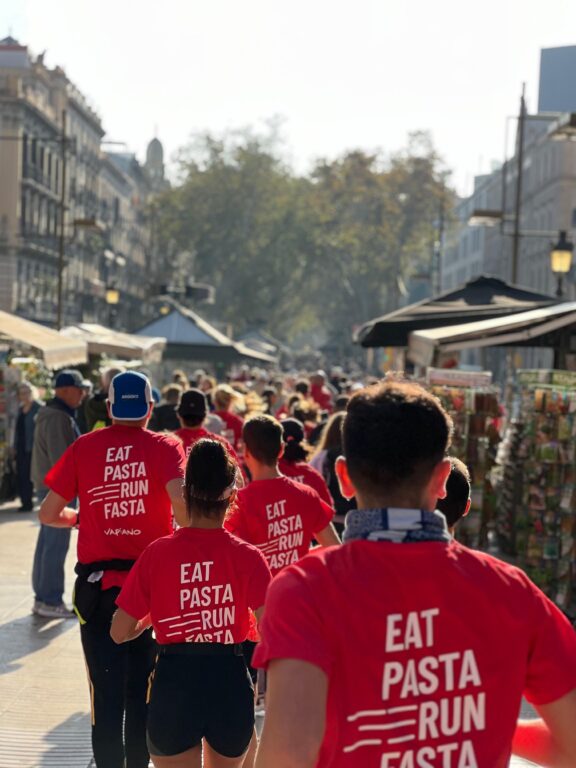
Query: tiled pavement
(44, 707)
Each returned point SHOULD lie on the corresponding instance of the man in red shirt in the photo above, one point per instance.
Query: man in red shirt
(127, 480)
(192, 411)
(277, 514)
(402, 648)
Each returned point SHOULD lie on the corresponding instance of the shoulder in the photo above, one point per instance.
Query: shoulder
(495, 573)
(244, 549)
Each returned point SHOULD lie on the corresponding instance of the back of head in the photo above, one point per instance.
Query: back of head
(331, 438)
(130, 397)
(223, 396)
(293, 432)
(192, 407)
(302, 386)
(171, 393)
(262, 436)
(455, 504)
(107, 376)
(394, 434)
(210, 478)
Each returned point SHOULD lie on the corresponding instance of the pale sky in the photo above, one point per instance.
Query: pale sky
(343, 75)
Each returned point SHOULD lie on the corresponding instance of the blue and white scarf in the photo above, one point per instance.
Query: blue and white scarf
(396, 525)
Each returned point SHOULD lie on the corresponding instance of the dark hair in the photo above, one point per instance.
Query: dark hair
(302, 386)
(192, 421)
(293, 432)
(454, 505)
(394, 434)
(262, 436)
(209, 472)
(341, 403)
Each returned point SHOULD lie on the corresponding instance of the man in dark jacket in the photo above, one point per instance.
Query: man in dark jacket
(56, 429)
(95, 413)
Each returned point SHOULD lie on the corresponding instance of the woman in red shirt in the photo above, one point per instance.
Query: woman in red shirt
(196, 588)
(293, 461)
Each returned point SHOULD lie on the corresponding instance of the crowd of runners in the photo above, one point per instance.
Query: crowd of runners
(290, 539)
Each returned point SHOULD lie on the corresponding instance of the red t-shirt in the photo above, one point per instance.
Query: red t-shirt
(322, 396)
(279, 516)
(428, 647)
(197, 586)
(304, 473)
(119, 475)
(189, 436)
(233, 423)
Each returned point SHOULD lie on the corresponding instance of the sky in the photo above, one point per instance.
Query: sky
(359, 74)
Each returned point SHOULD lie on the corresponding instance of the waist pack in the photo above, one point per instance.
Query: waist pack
(88, 585)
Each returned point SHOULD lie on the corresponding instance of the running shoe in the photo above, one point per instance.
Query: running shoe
(53, 611)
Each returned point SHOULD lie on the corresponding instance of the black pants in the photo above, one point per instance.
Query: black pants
(119, 677)
(25, 487)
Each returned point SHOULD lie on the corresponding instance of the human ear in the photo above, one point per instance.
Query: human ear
(440, 475)
(346, 486)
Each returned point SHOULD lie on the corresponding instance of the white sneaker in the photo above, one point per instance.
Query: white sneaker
(53, 611)
(36, 606)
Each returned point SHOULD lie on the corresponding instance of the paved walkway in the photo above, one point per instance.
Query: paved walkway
(44, 706)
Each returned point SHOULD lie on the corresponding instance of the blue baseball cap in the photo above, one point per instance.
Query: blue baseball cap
(69, 378)
(129, 395)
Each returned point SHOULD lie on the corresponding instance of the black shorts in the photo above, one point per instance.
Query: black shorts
(196, 697)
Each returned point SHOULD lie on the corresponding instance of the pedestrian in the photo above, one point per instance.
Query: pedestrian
(24, 442)
(224, 398)
(403, 648)
(191, 412)
(164, 417)
(293, 461)
(95, 410)
(277, 514)
(196, 588)
(127, 479)
(324, 460)
(56, 429)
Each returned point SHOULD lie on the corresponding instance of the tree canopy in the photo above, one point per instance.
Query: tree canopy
(300, 254)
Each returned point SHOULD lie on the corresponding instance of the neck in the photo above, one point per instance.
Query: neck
(400, 500)
(120, 423)
(264, 472)
(207, 523)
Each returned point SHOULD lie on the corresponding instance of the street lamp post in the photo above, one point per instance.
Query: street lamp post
(561, 260)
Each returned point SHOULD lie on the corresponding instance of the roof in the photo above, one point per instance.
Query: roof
(482, 298)
(184, 327)
(105, 341)
(56, 350)
(536, 328)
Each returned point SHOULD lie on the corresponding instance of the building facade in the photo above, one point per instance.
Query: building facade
(69, 213)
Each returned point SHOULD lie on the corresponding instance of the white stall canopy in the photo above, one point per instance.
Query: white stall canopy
(56, 350)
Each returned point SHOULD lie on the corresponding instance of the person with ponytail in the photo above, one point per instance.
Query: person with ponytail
(293, 461)
(197, 588)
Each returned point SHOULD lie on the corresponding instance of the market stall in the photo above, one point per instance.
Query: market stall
(535, 478)
(27, 347)
(472, 402)
(126, 346)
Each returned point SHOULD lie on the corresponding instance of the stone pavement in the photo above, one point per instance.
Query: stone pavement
(44, 705)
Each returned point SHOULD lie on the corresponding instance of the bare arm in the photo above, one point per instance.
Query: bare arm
(125, 627)
(552, 740)
(54, 512)
(327, 537)
(174, 489)
(295, 715)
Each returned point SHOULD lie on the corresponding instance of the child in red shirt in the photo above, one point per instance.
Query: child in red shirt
(277, 514)
(196, 589)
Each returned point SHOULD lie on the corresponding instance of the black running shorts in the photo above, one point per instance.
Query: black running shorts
(196, 697)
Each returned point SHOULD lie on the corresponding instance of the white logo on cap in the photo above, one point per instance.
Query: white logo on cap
(129, 397)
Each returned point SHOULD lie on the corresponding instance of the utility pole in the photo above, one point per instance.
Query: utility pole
(62, 239)
(519, 174)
